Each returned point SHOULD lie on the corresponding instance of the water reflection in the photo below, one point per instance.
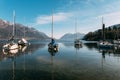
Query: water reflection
(103, 60)
(33, 47)
(109, 51)
(70, 63)
(91, 45)
(23, 49)
(52, 55)
(117, 51)
(78, 46)
(12, 55)
(104, 52)
(68, 44)
(13, 67)
(52, 67)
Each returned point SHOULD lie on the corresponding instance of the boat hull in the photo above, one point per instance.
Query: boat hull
(23, 42)
(105, 45)
(10, 46)
(53, 48)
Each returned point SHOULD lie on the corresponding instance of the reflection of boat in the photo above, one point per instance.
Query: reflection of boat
(105, 51)
(11, 54)
(116, 49)
(52, 54)
(104, 44)
(103, 59)
(22, 48)
(117, 42)
(52, 46)
(91, 45)
(11, 45)
(13, 68)
(77, 46)
(77, 42)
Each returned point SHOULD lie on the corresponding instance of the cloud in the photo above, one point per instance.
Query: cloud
(57, 17)
(111, 18)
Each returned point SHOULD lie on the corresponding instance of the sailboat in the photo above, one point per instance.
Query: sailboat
(11, 45)
(77, 42)
(117, 41)
(52, 46)
(104, 44)
(23, 41)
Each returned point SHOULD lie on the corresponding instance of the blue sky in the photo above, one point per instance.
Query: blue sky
(37, 14)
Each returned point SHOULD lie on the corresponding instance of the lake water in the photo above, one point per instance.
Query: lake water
(69, 63)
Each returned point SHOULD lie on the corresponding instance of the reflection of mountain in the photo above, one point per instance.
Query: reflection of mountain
(34, 47)
(68, 44)
(91, 45)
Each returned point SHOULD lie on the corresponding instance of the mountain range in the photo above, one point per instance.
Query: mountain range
(20, 30)
(71, 37)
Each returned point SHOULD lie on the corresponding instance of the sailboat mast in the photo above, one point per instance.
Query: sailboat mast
(75, 29)
(13, 24)
(24, 28)
(52, 27)
(103, 30)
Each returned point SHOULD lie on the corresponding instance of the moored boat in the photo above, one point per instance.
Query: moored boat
(11, 44)
(52, 46)
(104, 44)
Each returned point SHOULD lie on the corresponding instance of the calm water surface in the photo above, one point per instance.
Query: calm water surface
(70, 63)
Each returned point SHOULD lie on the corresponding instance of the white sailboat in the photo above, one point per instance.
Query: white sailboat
(11, 45)
(52, 46)
(23, 41)
(117, 41)
(104, 44)
(77, 42)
